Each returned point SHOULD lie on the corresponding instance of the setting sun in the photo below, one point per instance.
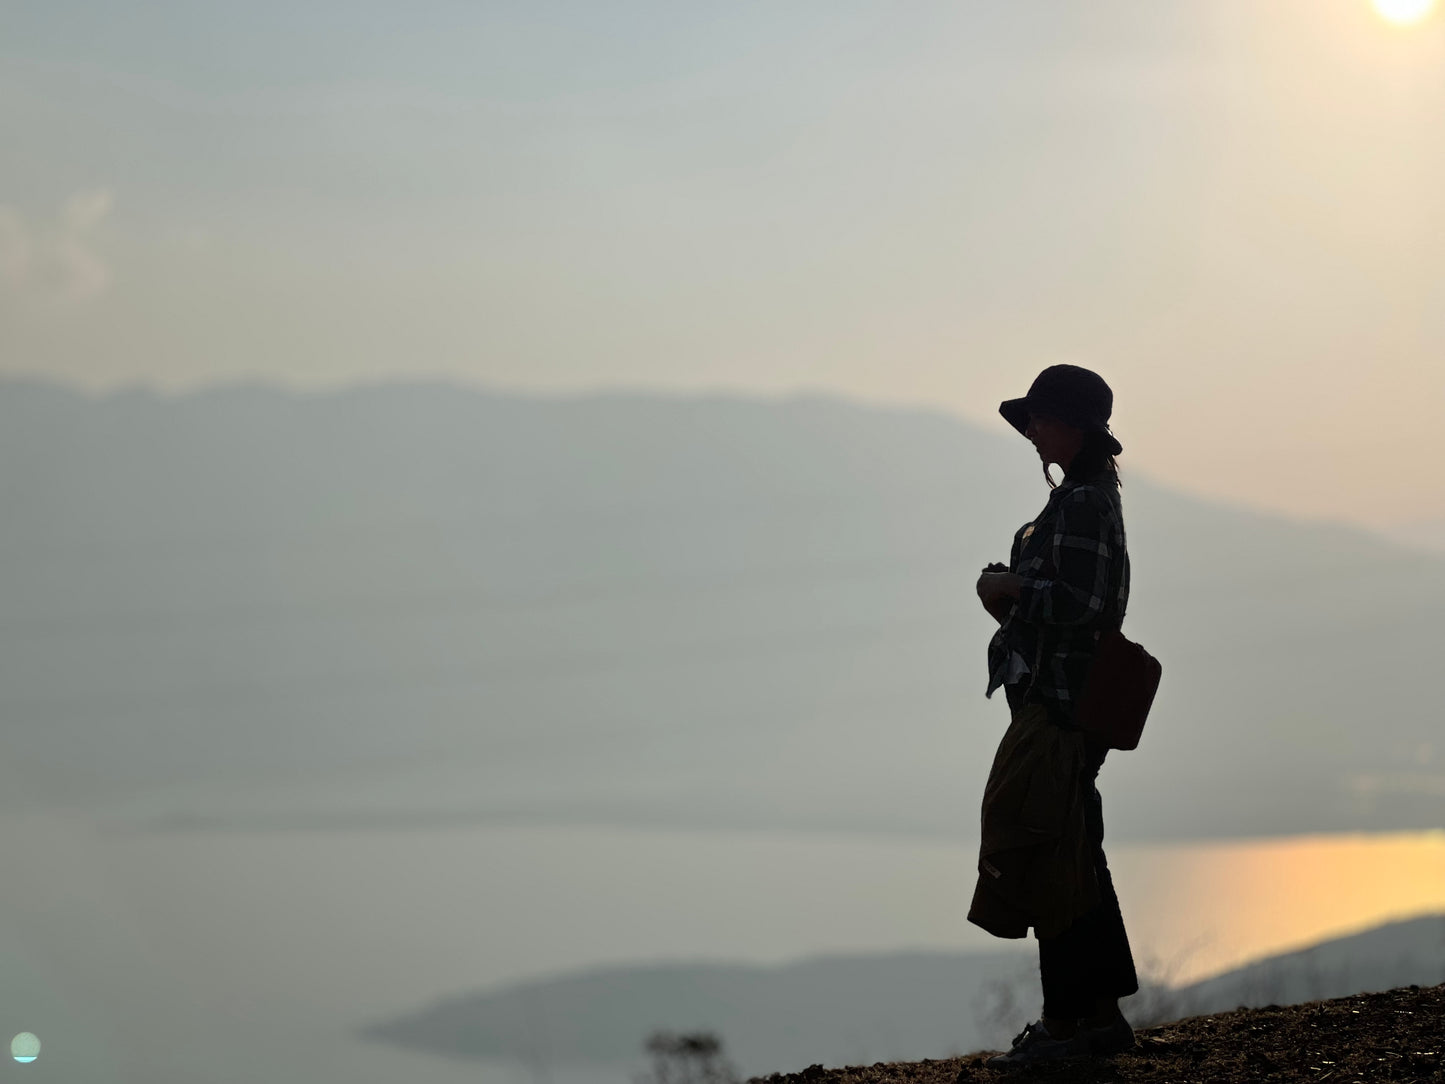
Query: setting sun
(1404, 12)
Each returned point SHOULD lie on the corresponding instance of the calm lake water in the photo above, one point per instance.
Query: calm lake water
(241, 957)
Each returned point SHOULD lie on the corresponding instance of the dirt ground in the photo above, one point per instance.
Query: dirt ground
(1397, 1035)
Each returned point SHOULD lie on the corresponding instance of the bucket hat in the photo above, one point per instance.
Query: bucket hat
(1071, 393)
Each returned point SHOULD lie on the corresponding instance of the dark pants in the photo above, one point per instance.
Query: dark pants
(1091, 959)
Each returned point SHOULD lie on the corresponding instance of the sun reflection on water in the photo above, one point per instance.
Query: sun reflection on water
(1209, 907)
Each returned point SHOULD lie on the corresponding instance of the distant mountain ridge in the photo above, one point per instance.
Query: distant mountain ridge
(248, 608)
(859, 1009)
(1421, 534)
(1402, 953)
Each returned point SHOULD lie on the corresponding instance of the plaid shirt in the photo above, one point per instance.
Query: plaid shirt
(1075, 571)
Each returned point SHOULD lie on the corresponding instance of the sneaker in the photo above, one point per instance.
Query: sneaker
(1035, 1043)
(1113, 1038)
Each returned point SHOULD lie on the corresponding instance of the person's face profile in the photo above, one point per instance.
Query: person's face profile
(1053, 438)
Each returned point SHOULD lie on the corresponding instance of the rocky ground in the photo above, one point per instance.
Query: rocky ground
(1397, 1035)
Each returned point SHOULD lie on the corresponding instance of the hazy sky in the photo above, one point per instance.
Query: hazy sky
(1231, 210)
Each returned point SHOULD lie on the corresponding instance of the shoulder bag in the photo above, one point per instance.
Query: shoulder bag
(1118, 692)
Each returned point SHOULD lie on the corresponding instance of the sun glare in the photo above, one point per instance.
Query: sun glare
(1404, 12)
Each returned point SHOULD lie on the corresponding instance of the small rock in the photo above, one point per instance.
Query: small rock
(1261, 1061)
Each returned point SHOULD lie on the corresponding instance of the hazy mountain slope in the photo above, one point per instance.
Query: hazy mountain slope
(1426, 534)
(858, 1009)
(836, 1009)
(247, 607)
(1398, 954)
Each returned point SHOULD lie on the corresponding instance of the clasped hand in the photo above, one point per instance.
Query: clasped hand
(997, 585)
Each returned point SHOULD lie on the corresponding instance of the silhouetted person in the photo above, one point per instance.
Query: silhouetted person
(1041, 860)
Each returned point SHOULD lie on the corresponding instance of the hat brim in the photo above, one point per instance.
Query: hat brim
(1016, 413)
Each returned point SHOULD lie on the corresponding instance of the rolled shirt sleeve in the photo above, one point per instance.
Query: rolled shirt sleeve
(1079, 552)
